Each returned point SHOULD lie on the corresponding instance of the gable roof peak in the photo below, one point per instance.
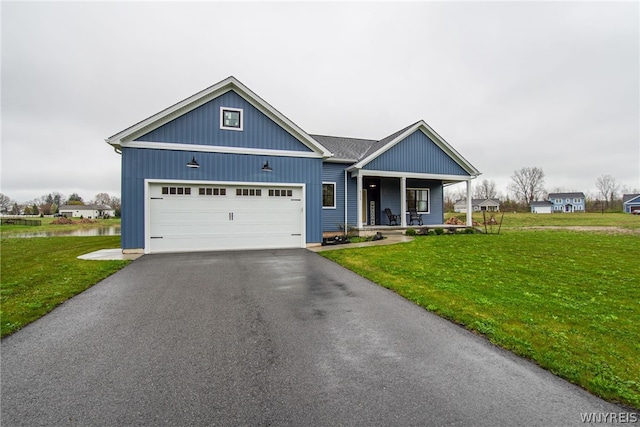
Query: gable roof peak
(387, 143)
(206, 95)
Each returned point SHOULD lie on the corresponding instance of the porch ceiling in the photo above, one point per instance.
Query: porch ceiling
(446, 179)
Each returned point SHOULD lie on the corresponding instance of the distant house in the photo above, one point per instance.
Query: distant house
(491, 205)
(567, 202)
(631, 203)
(86, 211)
(543, 206)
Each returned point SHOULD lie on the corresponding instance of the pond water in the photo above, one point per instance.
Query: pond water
(98, 231)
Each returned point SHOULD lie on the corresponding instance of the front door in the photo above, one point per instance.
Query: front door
(371, 201)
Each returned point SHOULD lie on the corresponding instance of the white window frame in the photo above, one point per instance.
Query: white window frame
(334, 195)
(238, 110)
(428, 190)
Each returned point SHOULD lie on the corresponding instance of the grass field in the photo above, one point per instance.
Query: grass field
(512, 220)
(567, 300)
(39, 274)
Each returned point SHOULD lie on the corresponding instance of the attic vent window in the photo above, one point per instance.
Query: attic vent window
(231, 118)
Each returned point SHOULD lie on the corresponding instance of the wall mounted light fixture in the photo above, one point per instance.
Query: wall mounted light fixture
(193, 163)
(266, 167)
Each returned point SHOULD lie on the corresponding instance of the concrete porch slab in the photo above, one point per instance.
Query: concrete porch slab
(109, 255)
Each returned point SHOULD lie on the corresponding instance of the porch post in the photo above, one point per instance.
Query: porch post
(469, 206)
(359, 199)
(403, 201)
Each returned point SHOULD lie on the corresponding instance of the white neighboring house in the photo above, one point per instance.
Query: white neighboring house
(544, 206)
(86, 211)
(477, 205)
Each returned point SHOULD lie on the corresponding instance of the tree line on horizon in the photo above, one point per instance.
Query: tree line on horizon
(49, 204)
(527, 185)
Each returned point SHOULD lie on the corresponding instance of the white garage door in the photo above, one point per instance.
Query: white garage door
(198, 217)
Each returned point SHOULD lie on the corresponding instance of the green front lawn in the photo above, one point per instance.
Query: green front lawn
(40, 273)
(569, 301)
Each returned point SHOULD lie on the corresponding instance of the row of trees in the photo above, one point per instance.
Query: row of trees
(49, 204)
(527, 185)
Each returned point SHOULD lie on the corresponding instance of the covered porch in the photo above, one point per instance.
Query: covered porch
(400, 193)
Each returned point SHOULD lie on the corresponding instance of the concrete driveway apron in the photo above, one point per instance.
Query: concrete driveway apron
(266, 338)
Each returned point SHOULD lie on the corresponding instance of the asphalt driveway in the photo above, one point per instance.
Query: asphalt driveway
(266, 338)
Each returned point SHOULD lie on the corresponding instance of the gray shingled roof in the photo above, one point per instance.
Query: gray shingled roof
(379, 144)
(84, 208)
(351, 149)
(475, 202)
(627, 197)
(562, 195)
(355, 149)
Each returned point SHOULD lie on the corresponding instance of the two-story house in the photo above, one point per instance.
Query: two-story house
(567, 202)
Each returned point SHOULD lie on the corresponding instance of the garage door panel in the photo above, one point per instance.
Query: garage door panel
(253, 217)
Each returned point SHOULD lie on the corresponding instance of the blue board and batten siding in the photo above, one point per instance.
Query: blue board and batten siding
(169, 165)
(334, 219)
(417, 153)
(201, 126)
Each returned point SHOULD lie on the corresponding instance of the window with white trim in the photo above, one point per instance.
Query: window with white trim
(418, 199)
(231, 118)
(328, 195)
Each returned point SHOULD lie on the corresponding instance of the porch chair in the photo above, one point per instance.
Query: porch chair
(414, 216)
(391, 217)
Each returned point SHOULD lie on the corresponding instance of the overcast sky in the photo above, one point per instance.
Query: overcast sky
(507, 84)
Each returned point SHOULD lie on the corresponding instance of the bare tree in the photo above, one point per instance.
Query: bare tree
(485, 190)
(607, 186)
(102, 199)
(452, 194)
(5, 203)
(528, 184)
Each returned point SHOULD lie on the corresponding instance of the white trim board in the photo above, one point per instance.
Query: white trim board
(219, 149)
